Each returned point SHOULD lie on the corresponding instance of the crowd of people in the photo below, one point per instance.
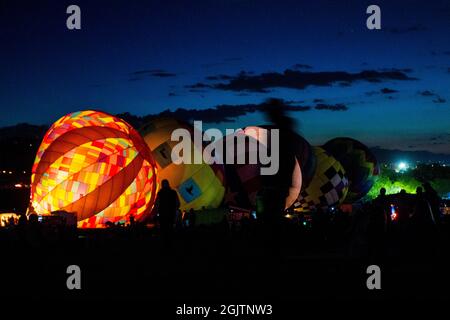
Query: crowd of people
(402, 222)
(412, 220)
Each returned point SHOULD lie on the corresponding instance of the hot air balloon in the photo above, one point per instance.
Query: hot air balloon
(95, 165)
(198, 185)
(359, 162)
(327, 188)
(245, 179)
(304, 154)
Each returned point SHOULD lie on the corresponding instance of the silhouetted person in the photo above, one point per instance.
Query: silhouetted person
(276, 187)
(180, 219)
(382, 206)
(382, 194)
(167, 204)
(419, 192)
(23, 220)
(132, 221)
(403, 206)
(110, 224)
(422, 214)
(422, 228)
(433, 200)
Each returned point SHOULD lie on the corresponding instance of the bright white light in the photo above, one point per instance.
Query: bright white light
(402, 166)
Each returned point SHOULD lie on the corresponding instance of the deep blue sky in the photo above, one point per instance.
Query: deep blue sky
(145, 57)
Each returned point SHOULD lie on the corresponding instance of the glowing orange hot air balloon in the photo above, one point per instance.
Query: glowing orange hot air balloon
(95, 165)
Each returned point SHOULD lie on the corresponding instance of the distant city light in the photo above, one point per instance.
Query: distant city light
(402, 166)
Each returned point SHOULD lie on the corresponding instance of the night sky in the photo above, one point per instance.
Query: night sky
(388, 87)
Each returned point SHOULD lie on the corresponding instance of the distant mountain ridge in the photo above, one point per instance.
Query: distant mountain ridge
(23, 131)
(35, 133)
(394, 155)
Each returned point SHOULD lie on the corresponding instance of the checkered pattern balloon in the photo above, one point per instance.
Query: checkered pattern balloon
(328, 187)
(359, 163)
(95, 165)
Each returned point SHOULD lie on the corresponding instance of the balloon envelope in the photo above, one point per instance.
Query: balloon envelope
(328, 187)
(198, 185)
(359, 162)
(244, 175)
(95, 165)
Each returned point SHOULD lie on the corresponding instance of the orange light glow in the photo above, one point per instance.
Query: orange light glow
(95, 165)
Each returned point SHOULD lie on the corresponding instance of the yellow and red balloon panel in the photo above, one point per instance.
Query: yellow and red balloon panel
(198, 185)
(95, 165)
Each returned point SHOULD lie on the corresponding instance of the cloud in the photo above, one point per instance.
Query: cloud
(387, 91)
(163, 74)
(294, 79)
(331, 107)
(141, 74)
(145, 72)
(224, 112)
(197, 90)
(439, 100)
(294, 101)
(220, 77)
(198, 85)
(371, 93)
(381, 91)
(405, 70)
(444, 136)
(428, 93)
